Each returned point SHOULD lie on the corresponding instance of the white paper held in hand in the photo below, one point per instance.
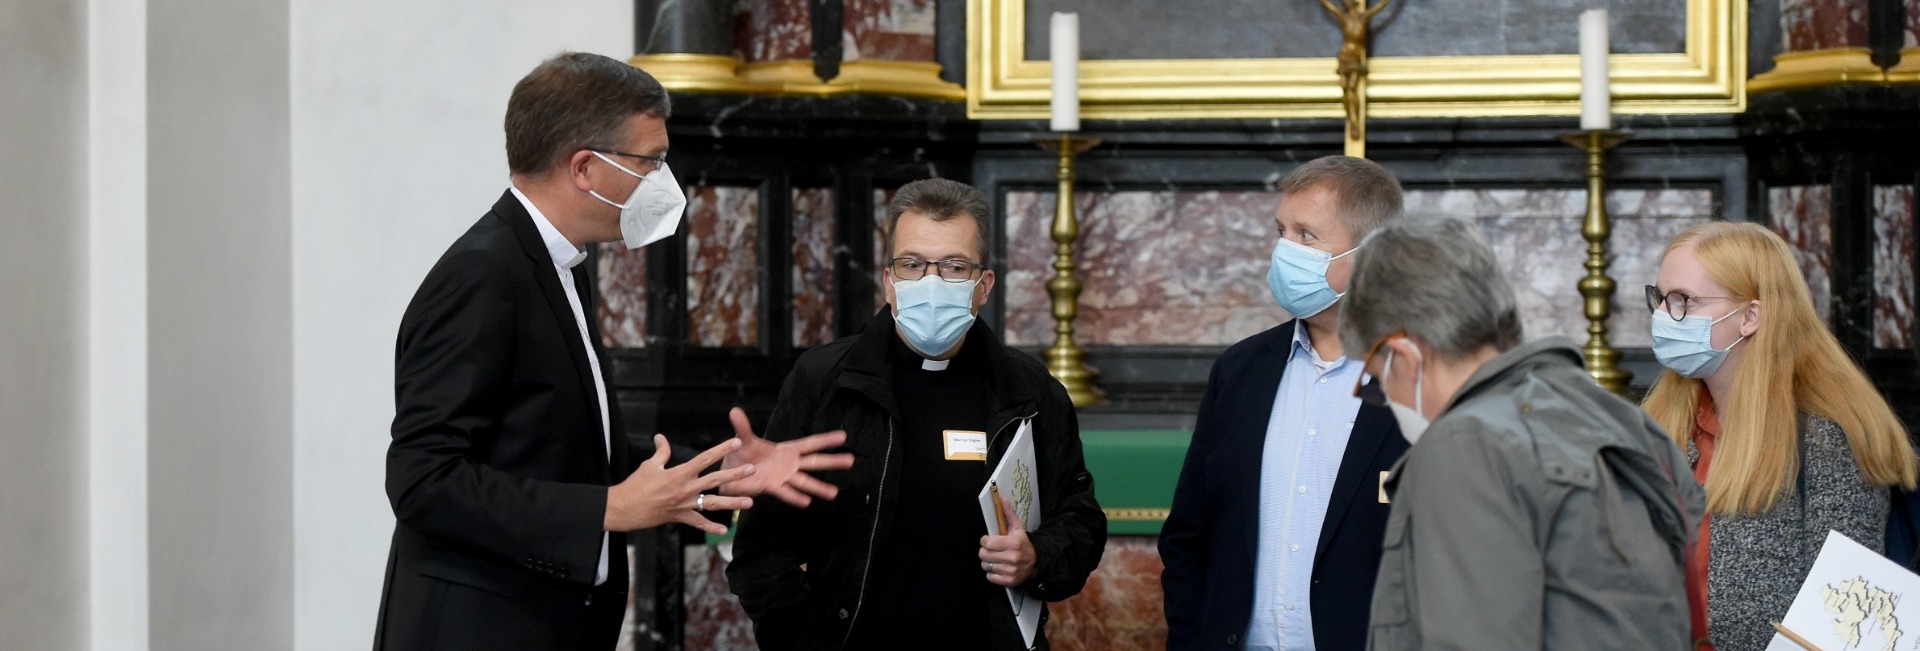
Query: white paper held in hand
(1016, 479)
(1853, 598)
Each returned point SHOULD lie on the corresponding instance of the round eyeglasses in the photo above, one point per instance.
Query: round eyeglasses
(1676, 302)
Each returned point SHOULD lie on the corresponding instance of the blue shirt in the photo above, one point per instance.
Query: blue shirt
(1306, 437)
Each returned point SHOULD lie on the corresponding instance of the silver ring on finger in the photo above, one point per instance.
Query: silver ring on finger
(989, 568)
(700, 502)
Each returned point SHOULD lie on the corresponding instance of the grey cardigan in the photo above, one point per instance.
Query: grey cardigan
(1756, 563)
(1538, 511)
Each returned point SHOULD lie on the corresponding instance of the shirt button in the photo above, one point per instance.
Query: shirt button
(1303, 490)
(1323, 380)
(1313, 432)
(1289, 607)
(1296, 548)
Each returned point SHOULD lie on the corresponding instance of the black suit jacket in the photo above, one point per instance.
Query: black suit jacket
(1208, 542)
(498, 471)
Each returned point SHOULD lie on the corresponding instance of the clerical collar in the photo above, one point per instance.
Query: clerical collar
(564, 254)
(934, 364)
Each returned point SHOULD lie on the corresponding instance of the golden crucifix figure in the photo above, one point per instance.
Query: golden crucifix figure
(1355, 21)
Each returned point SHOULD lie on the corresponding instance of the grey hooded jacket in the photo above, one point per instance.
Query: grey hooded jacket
(1538, 511)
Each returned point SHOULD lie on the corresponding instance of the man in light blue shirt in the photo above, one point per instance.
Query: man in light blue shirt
(1306, 437)
(1274, 536)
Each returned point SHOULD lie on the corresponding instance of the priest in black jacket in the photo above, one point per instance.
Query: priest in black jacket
(930, 401)
(509, 473)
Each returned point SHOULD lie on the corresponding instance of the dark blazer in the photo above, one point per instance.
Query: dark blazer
(1208, 540)
(498, 471)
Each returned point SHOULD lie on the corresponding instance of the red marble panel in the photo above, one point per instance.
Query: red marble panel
(715, 621)
(1156, 267)
(723, 266)
(623, 296)
(1823, 24)
(1536, 234)
(892, 30)
(1190, 267)
(1803, 216)
(812, 282)
(1913, 24)
(772, 30)
(880, 199)
(1893, 286)
(1121, 606)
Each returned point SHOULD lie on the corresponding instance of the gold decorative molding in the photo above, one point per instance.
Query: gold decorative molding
(712, 73)
(1137, 515)
(1908, 70)
(1709, 77)
(1812, 69)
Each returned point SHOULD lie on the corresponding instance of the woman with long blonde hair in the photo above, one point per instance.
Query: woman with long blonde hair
(1783, 429)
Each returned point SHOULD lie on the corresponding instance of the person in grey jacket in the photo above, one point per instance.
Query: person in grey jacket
(1537, 510)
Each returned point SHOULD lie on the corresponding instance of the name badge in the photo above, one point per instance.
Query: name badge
(963, 445)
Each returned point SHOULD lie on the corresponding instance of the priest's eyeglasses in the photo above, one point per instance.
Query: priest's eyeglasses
(1675, 301)
(950, 270)
(648, 163)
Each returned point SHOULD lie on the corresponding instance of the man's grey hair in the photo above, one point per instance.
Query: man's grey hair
(939, 200)
(1435, 279)
(1365, 194)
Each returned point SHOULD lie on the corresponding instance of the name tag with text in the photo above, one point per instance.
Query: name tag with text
(963, 445)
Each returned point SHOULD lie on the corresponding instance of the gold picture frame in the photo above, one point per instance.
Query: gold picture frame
(1709, 77)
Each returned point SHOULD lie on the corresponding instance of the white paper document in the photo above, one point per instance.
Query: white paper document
(1017, 481)
(1854, 600)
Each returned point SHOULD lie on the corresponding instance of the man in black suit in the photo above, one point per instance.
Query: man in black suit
(1274, 536)
(509, 473)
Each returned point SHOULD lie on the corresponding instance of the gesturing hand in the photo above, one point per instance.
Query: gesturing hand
(655, 494)
(780, 468)
(1007, 560)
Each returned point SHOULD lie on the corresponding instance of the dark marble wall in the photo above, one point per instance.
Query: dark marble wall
(1151, 29)
(1182, 268)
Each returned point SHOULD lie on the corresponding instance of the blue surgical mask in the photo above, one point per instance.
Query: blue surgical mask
(933, 314)
(1686, 346)
(1298, 278)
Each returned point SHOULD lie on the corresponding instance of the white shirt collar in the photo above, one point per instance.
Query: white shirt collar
(1303, 341)
(564, 254)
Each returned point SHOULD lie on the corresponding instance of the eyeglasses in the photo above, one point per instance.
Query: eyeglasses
(1371, 393)
(652, 162)
(1676, 302)
(950, 270)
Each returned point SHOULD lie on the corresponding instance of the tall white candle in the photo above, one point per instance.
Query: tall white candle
(1595, 105)
(1065, 49)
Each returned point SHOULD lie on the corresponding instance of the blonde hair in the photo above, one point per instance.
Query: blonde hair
(1793, 365)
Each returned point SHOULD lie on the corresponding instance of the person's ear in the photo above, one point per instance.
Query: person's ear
(1406, 355)
(1751, 321)
(982, 290)
(580, 170)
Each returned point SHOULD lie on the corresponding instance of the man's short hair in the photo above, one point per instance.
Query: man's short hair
(576, 101)
(1435, 279)
(939, 200)
(1365, 194)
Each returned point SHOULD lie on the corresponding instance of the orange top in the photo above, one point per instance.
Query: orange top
(1706, 428)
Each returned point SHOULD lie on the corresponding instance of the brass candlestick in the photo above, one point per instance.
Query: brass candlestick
(1065, 360)
(1603, 361)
